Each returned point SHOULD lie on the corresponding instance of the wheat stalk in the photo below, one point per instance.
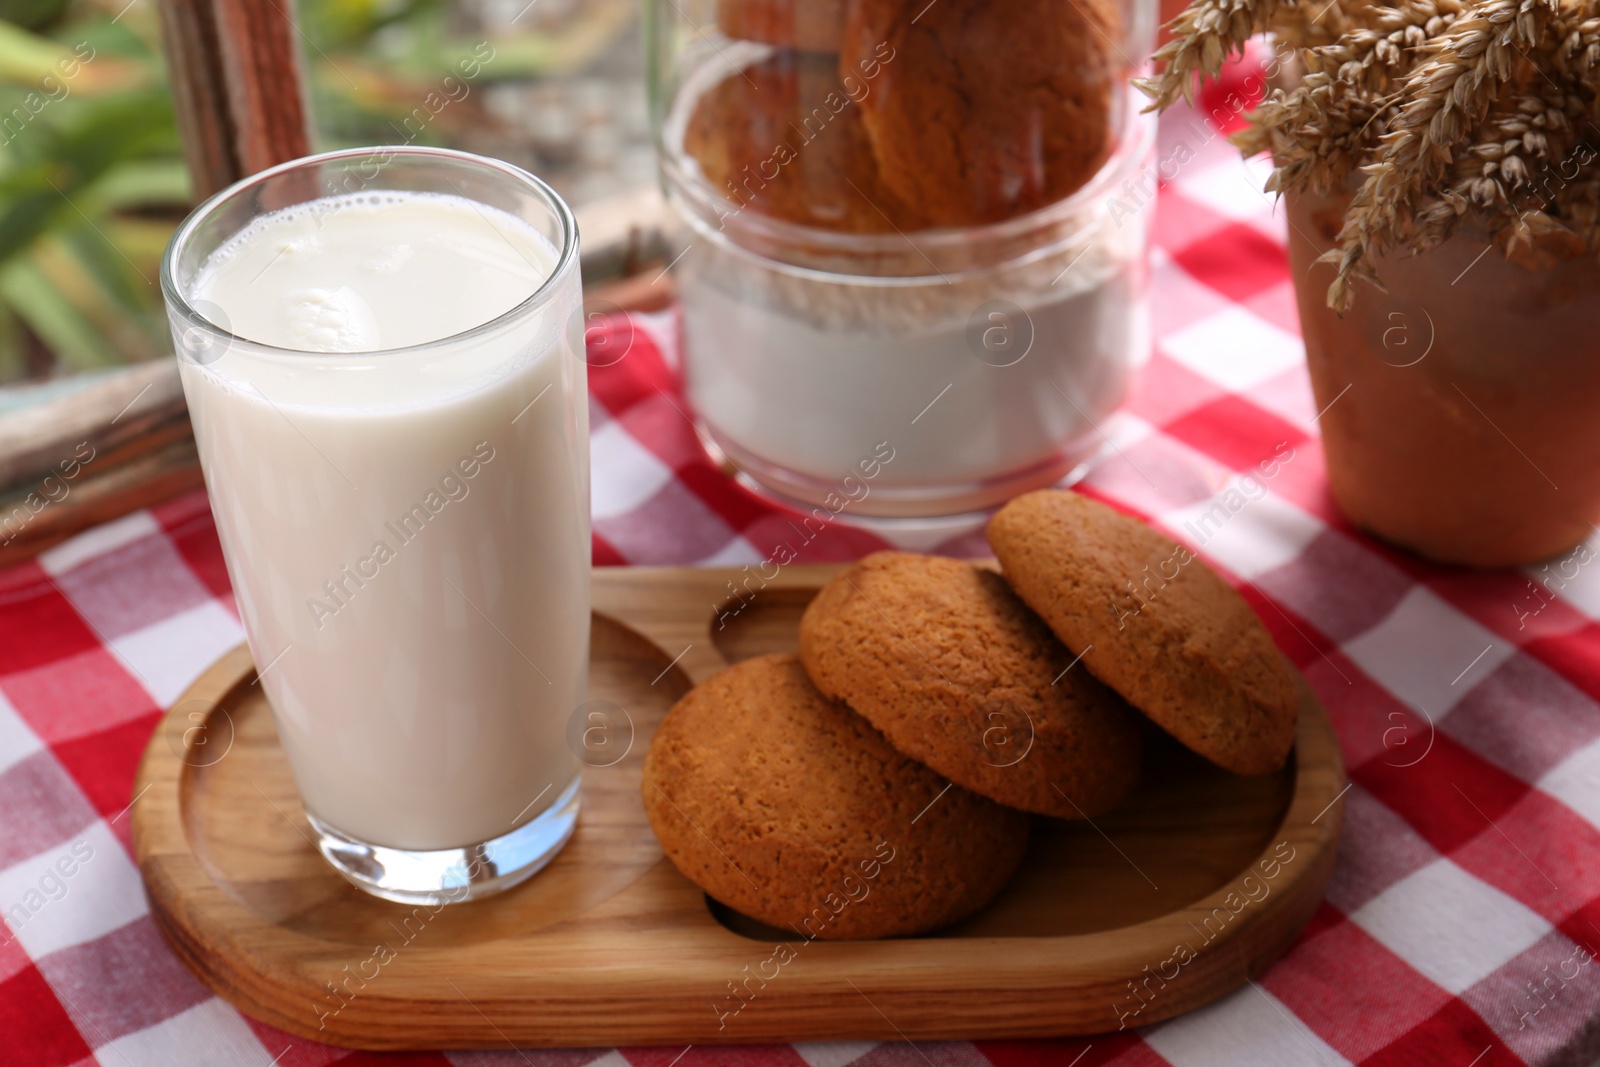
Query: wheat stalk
(1435, 112)
(1445, 95)
(1205, 34)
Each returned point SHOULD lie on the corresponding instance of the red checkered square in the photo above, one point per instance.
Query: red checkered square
(103, 765)
(77, 694)
(1302, 481)
(605, 553)
(1575, 656)
(34, 1028)
(1239, 434)
(1352, 991)
(1236, 260)
(37, 624)
(1450, 796)
(640, 374)
(1451, 1037)
(737, 505)
(1098, 1052)
(1139, 1055)
(1541, 853)
(1288, 395)
(1493, 598)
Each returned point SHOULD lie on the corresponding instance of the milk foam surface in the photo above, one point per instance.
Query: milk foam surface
(374, 271)
(407, 532)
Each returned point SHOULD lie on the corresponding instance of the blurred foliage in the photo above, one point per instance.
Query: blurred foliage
(92, 179)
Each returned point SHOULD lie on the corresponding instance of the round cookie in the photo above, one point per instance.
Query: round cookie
(784, 138)
(809, 25)
(985, 110)
(792, 809)
(959, 674)
(1155, 623)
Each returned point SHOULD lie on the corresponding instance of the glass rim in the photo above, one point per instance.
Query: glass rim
(178, 301)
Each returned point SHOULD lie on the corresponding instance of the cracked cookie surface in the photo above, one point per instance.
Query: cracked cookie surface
(959, 674)
(1155, 623)
(792, 809)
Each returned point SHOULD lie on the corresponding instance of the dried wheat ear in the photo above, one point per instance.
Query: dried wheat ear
(1431, 115)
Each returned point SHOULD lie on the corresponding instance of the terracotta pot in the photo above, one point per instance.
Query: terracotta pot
(1461, 409)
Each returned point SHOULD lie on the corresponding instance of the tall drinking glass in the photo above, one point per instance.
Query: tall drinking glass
(381, 350)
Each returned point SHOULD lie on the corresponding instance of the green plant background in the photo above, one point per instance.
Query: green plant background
(92, 179)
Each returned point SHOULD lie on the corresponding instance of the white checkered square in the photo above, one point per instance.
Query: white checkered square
(663, 330)
(1575, 782)
(623, 473)
(97, 542)
(833, 1053)
(1245, 528)
(17, 742)
(1575, 577)
(1231, 188)
(1250, 1026)
(1452, 927)
(1427, 653)
(735, 553)
(1235, 349)
(168, 656)
(72, 893)
(208, 1034)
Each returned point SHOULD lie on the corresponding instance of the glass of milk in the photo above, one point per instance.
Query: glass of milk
(382, 353)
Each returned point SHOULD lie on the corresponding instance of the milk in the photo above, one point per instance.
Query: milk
(795, 387)
(407, 532)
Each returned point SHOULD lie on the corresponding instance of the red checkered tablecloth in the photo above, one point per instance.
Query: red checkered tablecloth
(1461, 918)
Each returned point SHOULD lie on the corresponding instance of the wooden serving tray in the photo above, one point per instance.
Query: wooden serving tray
(1200, 881)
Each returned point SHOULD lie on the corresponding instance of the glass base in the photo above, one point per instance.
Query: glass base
(938, 512)
(452, 875)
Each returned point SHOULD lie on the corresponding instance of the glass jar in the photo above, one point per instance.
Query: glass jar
(911, 264)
